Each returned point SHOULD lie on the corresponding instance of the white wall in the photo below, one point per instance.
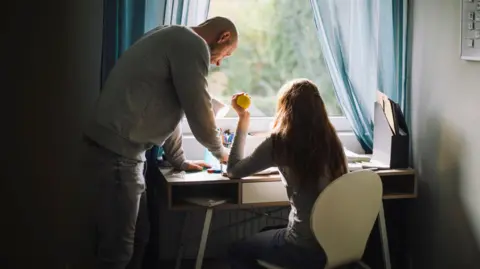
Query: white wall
(52, 59)
(445, 93)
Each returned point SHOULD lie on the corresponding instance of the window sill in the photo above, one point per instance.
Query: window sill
(262, 124)
(194, 151)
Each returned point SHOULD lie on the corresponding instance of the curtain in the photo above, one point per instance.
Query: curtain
(125, 21)
(123, 24)
(363, 44)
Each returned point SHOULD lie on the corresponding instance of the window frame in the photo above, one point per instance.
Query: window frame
(263, 124)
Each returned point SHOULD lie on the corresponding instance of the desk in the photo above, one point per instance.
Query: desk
(264, 191)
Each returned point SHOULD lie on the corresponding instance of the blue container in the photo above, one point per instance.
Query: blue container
(211, 160)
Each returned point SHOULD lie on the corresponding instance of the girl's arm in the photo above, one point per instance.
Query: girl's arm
(260, 159)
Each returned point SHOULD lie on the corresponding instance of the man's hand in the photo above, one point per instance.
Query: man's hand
(196, 165)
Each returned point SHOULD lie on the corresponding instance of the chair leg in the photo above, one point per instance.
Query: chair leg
(384, 238)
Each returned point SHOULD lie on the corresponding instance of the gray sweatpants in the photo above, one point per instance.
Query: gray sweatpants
(118, 198)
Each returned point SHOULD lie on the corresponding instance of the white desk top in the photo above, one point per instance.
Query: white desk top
(178, 177)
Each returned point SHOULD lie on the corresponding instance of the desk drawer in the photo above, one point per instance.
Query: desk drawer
(263, 192)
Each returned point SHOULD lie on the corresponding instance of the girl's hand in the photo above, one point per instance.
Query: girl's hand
(241, 112)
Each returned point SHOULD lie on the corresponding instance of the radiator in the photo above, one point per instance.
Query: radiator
(227, 226)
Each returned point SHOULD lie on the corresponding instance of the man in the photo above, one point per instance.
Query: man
(161, 78)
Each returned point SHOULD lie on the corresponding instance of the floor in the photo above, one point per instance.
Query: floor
(216, 264)
(190, 264)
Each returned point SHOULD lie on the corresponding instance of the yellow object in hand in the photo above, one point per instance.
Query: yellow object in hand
(244, 101)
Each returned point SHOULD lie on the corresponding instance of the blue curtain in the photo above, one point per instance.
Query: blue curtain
(123, 24)
(363, 43)
(392, 54)
(125, 21)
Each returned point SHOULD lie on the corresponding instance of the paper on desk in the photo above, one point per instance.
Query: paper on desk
(353, 157)
(374, 164)
(205, 201)
(177, 174)
(268, 171)
(354, 167)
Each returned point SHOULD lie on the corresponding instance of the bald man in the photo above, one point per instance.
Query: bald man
(156, 82)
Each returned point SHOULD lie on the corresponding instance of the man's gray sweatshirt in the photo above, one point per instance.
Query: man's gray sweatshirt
(157, 81)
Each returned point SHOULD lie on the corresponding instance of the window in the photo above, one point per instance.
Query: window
(278, 42)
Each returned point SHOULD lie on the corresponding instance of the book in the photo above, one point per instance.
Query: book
(204, 201)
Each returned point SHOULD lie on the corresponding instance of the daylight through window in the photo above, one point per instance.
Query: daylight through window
(278, 42)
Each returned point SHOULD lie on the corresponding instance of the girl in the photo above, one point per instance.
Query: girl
(309, 155)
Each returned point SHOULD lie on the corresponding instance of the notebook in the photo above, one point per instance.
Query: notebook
(353, 157)
(268, 171)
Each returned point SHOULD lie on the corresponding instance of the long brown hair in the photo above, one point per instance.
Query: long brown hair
(304, 138)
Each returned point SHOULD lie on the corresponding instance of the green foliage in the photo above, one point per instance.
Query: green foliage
(278, 42)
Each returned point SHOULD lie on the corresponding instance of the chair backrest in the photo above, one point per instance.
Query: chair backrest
(344, 215)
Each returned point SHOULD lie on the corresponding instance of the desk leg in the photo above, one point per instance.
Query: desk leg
(384, 238)
(203, 240)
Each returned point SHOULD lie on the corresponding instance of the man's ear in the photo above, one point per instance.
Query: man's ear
(224, 37)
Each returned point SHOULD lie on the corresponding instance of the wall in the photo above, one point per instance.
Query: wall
(52, 64)
(445, 94)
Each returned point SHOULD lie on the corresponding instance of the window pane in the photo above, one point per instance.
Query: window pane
(278, 42)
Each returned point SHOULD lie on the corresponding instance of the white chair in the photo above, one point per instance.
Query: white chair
(343, 217)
